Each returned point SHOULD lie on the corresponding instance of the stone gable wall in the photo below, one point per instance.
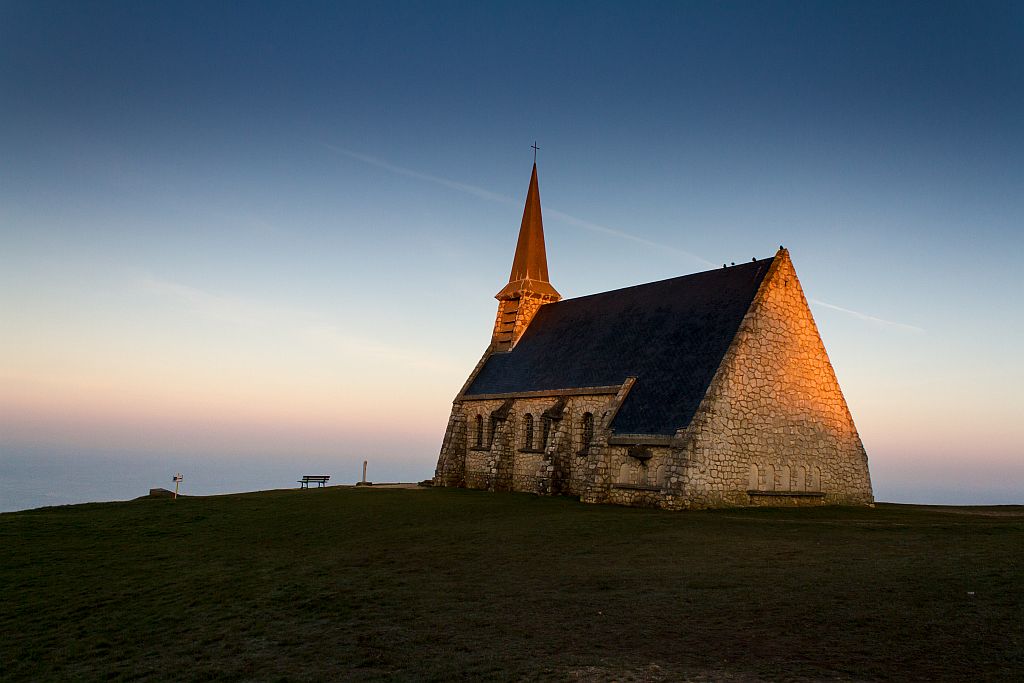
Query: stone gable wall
(774, 418)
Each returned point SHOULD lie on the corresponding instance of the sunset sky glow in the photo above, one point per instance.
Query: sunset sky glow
(271, 233)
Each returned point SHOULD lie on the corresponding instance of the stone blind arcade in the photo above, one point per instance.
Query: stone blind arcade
(707, 390)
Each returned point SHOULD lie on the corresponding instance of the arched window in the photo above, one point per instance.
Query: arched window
(479, 431)
(528, 436)
(493, 430)
(588, 431)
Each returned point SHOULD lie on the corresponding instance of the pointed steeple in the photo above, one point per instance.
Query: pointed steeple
(530, 265)
(528, 288)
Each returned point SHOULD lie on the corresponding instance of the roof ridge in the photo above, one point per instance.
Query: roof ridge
(746, 264)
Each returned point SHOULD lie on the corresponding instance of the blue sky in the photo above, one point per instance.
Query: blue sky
(275, 230)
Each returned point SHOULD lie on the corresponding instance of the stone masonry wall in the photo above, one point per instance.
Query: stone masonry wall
(451, 463)
(639, 482)
(774, 420)
(557, 467)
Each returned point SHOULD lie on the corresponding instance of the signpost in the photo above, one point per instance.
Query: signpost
(177, 480)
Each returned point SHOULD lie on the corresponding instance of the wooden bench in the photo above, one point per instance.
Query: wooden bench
(320, 479)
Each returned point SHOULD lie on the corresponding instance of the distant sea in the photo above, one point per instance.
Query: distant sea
(37, 477)
(33, 477)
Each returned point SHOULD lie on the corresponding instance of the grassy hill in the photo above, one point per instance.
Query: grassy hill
(342, 583)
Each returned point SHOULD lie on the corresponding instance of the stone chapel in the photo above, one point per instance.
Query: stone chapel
(706, 390)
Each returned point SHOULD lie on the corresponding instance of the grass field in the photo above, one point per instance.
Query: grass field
(343, 583)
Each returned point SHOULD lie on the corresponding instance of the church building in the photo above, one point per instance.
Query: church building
(706, 390)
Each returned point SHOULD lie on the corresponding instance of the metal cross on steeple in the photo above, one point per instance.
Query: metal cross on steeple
(535, 148)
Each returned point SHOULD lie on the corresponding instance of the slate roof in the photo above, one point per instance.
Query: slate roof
(671, 335)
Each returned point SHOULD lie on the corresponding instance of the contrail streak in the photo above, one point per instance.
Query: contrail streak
(596, 227)
(408, 172)
(868, 318)
(502, 199)
(577, 222)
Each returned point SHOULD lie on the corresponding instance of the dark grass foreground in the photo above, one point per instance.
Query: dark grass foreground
(348, 584)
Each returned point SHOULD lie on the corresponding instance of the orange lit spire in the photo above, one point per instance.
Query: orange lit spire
(530, 265)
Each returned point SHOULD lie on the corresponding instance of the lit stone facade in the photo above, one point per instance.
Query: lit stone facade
(774, 427)
(771, 427)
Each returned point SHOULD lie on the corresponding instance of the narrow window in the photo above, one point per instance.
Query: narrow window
(494, 429)
(588, 431)
(528, 438)
(479, 431)
(546, 427)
